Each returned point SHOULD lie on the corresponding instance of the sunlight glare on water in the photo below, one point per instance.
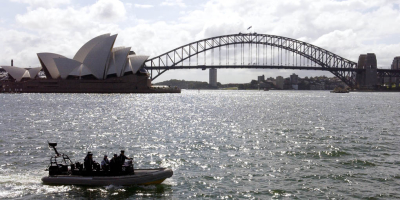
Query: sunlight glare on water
(220, 144)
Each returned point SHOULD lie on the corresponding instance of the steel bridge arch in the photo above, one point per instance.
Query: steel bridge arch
(341, 67)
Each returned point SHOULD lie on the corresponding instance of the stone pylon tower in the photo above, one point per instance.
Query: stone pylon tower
(367, 79)
(213, 77)
(395, 66)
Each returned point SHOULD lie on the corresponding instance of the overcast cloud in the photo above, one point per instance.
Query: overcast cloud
(347, 28)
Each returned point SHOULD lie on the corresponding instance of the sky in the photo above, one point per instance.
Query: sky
(151, 27)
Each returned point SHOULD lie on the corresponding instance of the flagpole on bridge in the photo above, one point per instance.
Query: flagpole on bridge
(249, 28)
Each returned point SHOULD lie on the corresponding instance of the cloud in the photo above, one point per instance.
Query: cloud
(173, 3)
(73, 19)
(347, 28)
(108, 10)
(143, 6)
(43, 3)
(59, 30)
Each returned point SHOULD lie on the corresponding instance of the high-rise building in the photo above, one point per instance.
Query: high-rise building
(261, 78)
(294, 79)
(213, 77)
(279, 82)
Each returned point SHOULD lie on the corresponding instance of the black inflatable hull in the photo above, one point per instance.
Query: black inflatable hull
(141, 177)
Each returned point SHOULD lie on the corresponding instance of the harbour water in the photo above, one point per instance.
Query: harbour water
(220, 144)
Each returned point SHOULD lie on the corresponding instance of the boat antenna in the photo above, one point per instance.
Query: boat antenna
(53, 145)
(88, 146)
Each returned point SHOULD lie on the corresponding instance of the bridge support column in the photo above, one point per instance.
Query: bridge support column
(360, 76)
(213, 77)
(396, 66)
(359, 79)
(367, 79)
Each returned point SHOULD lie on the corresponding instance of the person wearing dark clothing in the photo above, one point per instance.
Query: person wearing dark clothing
(114, 164)
(122, 157)
(87, 155)
(88, 162)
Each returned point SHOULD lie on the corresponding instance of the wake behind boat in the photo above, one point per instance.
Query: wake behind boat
(66, 172)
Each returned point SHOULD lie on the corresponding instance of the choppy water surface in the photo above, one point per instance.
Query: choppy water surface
(220, 144)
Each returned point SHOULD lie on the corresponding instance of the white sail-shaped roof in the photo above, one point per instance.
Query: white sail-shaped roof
(88, 46)
(128, 66)
(66, 66)
(96, 59)
(85, 70)
(118, 61)
(82, 70)
(47, 61)
(137, 62)
(16, 72)
(33, 72)
(118, 48)
(111, 66)
(76, 71)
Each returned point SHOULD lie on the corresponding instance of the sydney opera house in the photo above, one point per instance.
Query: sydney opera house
(97, 67)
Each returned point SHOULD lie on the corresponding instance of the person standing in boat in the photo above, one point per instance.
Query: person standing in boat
(105, 163)
(121, 160)
(114, 164)
(122, 157)
(87, 155)
(88, 162)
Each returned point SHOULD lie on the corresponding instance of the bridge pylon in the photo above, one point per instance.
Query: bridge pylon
(367, 77)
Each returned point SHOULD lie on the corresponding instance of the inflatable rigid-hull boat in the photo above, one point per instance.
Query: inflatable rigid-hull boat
(140, 177)
(65, 172)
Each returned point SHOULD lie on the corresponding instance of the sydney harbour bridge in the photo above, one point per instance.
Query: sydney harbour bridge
(262, 51)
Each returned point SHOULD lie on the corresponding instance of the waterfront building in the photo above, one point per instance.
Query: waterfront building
(279, 82)
(213, 77)
(97, 59)
(294, 79)
(97, 67)
(261, 78)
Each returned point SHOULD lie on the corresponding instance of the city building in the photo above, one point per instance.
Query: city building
(279, 82)
(294, 79)
(213, 77)
(261, 78)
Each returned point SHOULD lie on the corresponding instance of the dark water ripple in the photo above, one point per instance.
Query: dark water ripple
(220, 144)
